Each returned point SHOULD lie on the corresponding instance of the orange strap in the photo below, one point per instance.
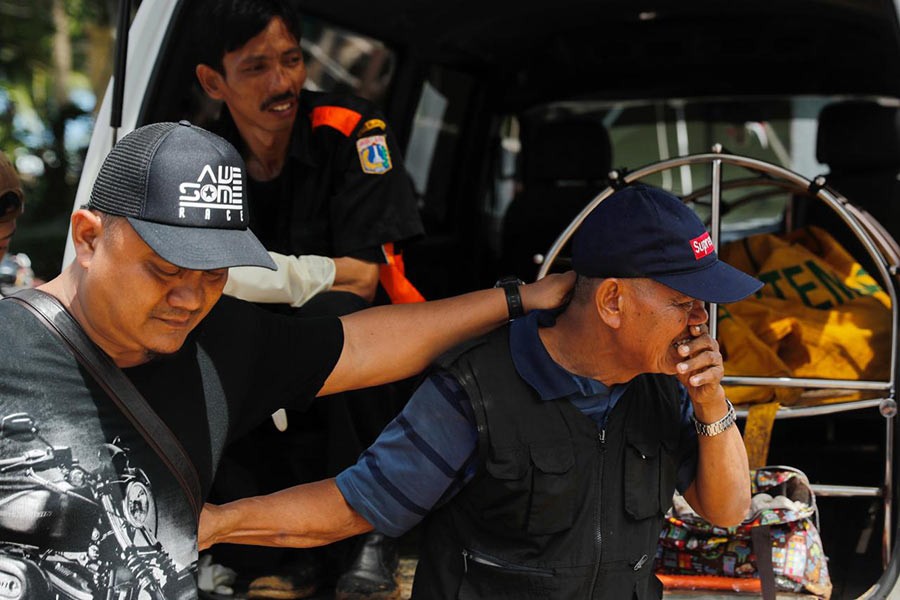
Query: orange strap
(709, 582)
(758, 433)
(342, 119)
(392, 275)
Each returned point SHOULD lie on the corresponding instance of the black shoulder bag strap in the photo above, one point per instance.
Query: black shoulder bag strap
(51, 313)
(761, 540)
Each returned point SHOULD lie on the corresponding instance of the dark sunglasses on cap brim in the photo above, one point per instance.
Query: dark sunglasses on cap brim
(11, 206)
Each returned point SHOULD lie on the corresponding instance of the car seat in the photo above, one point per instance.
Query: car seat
(860, 143)
(565, 163)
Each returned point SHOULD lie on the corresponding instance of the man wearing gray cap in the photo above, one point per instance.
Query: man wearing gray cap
(124, 377)
(543, 456)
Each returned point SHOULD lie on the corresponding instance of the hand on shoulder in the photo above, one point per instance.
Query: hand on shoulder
(550, 292)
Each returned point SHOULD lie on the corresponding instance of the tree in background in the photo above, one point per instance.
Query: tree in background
(55, 60)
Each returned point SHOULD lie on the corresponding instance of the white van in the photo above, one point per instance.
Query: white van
(512, 114)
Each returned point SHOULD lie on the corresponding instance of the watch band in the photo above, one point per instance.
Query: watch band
(720, 426)
(510, 285)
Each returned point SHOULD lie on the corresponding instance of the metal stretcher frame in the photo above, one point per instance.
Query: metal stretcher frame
(877, 242)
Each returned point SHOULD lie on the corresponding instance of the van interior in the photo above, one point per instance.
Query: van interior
(513, 115)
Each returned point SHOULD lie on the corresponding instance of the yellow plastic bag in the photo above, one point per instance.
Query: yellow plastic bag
(819, 315)
(749, 352)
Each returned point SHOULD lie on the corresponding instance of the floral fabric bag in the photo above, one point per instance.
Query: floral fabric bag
(778, 543)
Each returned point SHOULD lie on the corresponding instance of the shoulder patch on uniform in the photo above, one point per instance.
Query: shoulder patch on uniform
(374, 156)
(336, 117)
(370, 125)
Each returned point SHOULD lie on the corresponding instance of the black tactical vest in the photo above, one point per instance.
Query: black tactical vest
(558, 509)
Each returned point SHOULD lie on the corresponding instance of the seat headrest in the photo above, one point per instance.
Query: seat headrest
(569, 149)
(859, 135)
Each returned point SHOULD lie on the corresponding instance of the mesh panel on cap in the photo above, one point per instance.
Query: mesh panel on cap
(121, 184)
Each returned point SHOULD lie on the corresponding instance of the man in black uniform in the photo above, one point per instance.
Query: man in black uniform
(325, 171)
(326, 178)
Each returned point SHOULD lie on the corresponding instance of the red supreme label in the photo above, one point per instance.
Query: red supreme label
(702, 246)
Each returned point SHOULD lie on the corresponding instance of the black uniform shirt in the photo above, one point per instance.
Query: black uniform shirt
(343, 190)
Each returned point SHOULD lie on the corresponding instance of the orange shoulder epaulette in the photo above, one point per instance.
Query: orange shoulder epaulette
(336, 117)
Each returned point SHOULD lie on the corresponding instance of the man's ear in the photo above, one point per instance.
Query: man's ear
(210, 80)
(608, 301)
(86, 230)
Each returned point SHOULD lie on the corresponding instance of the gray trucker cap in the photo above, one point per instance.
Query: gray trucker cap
(183, 190)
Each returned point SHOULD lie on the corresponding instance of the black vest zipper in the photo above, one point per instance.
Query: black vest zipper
(598, 532)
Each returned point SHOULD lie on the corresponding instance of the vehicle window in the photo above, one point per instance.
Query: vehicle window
(434, 139)
(779, 131)
(505, 183)
(427, 123)
(339, 60)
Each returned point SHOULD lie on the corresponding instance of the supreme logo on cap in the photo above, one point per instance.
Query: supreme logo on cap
(702, 245)
(215, 190)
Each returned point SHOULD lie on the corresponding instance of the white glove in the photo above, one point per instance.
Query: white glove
(215, 578)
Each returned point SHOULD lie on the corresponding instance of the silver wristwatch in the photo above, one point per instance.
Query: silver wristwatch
(719, 426)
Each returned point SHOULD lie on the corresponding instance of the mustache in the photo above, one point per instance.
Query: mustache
(272, 100)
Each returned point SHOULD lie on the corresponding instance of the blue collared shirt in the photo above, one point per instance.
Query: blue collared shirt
(429, 452)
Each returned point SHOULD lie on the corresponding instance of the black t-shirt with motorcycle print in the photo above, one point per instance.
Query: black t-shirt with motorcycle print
(85, 505)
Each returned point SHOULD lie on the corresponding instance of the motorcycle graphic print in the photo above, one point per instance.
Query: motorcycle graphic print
(70, 533)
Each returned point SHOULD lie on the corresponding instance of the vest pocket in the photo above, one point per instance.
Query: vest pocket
(554, 489)
(507, 502)
(537, 488)
(486, 576)
(642, 474)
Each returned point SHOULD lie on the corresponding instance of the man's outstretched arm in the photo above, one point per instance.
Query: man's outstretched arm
(260, 521)
(425, 455)
(388, 343)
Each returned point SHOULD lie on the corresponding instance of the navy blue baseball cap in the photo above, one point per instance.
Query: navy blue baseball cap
(183, 190)
(643, 231)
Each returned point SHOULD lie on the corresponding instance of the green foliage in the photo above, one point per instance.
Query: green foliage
(30, 75)
(26, 28)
